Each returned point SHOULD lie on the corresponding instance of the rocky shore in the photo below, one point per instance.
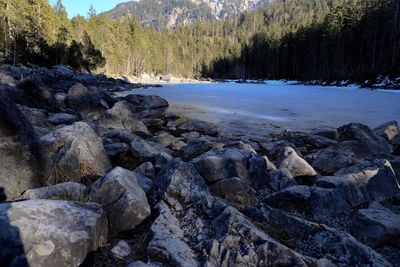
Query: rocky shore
(88, 178)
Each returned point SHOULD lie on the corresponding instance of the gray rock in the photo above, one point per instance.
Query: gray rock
(145, 183)
(164, 139)
(328, 133)
(142, 151)
(194, 149)
(219, 164)
(342, 155)
(309, 141)
(116, 149)
(120, 136)
(168, 243)
(77, 152)
(147, 170)
(361, 133)
(297, 166)
(295, 198)
(50, 233)
(179, 184)
(280, 179)
(122, 198)
(64, 191)
(154, 124)
(332, 247)
(270, 166)
(121, 250)
(36, 117)
(272, 149)
(202, 127)
(121, 117)
(87, 100)
(62, 118)
(352, 187)
(376, 227)
(24, 162)
(388, 130)
(146, 102)
(235, 190)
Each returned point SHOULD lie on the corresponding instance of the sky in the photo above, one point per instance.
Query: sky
(81, 7)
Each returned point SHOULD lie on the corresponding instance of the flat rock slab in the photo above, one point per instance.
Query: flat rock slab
(44, 233)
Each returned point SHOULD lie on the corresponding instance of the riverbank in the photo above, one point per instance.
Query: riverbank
(105, 180)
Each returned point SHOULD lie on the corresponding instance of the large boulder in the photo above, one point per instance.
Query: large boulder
(122, 198)
(298, 167)
(342, 155)
(24, 163)
(168, 242)
(122, 117)
(388, 130)
(364, 135)
(64, 191)
(146, 102)
(219, 164)
(202, 127)
(332, 247)
(77, 152)
(377, 226)
(142, 151)
(235, 191)
(88, 100)
(50, 233)
(179, 184)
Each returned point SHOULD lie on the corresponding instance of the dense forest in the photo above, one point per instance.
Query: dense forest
(298, 39)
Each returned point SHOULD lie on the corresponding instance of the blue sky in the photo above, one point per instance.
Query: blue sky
(81, 7)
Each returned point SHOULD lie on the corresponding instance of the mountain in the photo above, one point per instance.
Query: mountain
(171, 13)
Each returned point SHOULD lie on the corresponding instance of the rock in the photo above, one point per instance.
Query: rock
(202, 127)
(294, 198)
(270, 166)
(309, 141)
(297, 166)
(24, 163)
(121, 117)
(36, 94)
(331, 134)
(50, 233)
(77, 152)
(220, 164)
(142, 151)
(162, 160)
(396, 145)
(388, 130)
(146, 102)
(353, 187)
(194, 149)
(116, 149)
(36, 117)
(122, 198)
(272, 149)
(62, 118)
(179, 184)
(154, 124)
(121, 250)
(168, 243)
(147, 170)
(233, 230)
(164, 139)
(120, 136)
(234, 190)
(87, 100)
(280, 179)
(142, 264)
(145, 183)
(364, 135)
(330, 246)
(240, 145)
(377, 227)
(64, 191)
(339, 156)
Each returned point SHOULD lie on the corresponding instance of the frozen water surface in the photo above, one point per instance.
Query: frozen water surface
(276, 105)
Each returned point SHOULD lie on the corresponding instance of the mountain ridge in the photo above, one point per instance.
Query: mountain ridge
(173, 13)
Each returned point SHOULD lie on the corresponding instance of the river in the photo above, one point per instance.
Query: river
(275, 106)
